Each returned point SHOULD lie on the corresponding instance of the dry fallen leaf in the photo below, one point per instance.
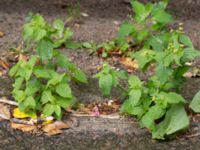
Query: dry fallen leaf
(23, 57)
(23, 127)
(4, 112)
(129, 63)
(55, 128)
(4, 64)
(1, 34)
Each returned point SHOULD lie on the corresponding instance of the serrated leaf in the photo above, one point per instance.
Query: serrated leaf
(175, 120)
(65, 102)
(105, 84)
(48, 110)
(125, 30)
(195, 103)
(64, 90)
(190, 54)
(184, 39)
(134, 96)
(32, 87)
(29, 103)
(134, 82)
(174, 98)
(154, 113)
(40, 72)
(19, 95)
(47, 97)
(138, 7)
(163, 17)
(45, 49)
(18, 83)
(57, 78)
(73, 45)
(131, 110)
(58, 111)
(38, 34)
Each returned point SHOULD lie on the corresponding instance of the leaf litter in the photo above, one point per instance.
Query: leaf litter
(29, 123)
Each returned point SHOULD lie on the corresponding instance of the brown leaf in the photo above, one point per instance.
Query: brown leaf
(23, 57)
(1, 34)
(4, 64)
(23, 127)
(4, 112)
(55, 128)
(129, 63)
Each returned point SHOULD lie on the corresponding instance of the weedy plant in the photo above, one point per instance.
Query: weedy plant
(39, 87)
(156, 102)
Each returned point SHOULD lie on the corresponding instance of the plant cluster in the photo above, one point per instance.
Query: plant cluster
(156, 102)
(38, 86)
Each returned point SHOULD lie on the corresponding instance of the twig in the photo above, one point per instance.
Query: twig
(100, 116)
(4, 117)
(8, 102)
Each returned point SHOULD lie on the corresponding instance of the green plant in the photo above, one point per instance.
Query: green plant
(38, 86)
(149, 19)
(156, 102)
(109, 78)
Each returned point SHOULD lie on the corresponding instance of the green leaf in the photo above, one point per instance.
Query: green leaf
(27, 32)
(18, 83)
(64, 90)
(65, 102)
(45, 49)
(134, 96)
(14, 69)
(29, 103)
(142, 35)
(59, 26)
(125, 30)
(57, 78)
(174, 98)
(19, 95)
(79, 75)
(134, 82)
(131, 110)
(40, 72)
(47, 97)
(175, 120)
(38, 34)
(48, 110)
(163, 73)
(32, 87)
(73, 45)
(195, 103)
(139, 10)
(163, 17)
(190, 54)
(154, 113)
(58, 111)
(186, 40)
(105, 84)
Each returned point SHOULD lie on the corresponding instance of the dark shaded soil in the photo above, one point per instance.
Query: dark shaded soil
(104, 19)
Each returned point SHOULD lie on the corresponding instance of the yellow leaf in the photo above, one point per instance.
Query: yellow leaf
(19, 114)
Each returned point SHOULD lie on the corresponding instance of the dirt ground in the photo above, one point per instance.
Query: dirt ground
(102, 23)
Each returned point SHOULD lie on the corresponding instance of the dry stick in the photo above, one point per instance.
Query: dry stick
(100, 116)
(16, 120)
(5, 101)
